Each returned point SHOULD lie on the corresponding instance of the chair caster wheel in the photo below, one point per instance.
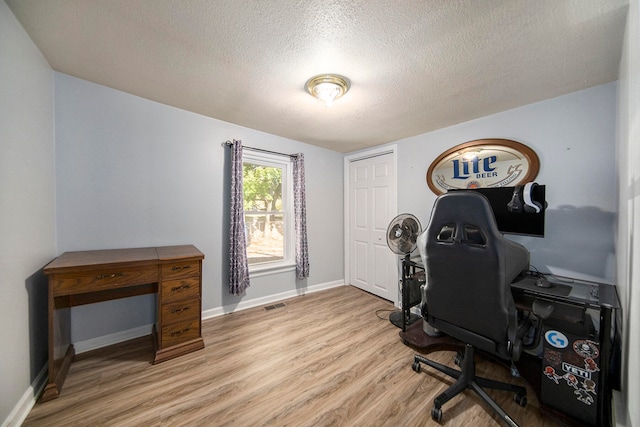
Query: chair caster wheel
(436, 414)
(416, 366)
(520, 399)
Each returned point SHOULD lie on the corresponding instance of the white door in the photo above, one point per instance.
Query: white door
(372, 205)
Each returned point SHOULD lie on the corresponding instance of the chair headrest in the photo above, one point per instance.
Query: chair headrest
(464, 207)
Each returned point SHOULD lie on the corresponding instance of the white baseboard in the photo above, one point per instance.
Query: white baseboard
(243, 305)
(28, 400)
(105, 340)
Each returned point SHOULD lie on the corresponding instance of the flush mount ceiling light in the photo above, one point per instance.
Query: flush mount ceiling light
(327, 87)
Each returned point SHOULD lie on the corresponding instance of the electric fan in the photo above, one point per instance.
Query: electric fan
(402, 235)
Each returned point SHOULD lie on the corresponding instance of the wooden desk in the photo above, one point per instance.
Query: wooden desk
(76, 278)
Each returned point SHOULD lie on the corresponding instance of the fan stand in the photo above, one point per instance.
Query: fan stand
(404, 317)
(396, 319)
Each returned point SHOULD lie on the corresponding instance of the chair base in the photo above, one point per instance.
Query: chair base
(466, 378)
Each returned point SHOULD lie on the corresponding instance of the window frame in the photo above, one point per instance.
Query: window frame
(288, 262)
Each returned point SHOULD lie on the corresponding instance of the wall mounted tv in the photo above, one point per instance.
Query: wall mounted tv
(523, 223)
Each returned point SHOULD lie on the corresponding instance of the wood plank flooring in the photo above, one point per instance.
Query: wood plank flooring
(329, 358)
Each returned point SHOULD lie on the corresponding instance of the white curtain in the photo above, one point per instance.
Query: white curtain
(239, 264)
(300, 214)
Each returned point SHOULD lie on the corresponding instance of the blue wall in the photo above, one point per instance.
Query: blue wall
(132, 173)
(574, 137)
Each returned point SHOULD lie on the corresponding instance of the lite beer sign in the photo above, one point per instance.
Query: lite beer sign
(483, 163)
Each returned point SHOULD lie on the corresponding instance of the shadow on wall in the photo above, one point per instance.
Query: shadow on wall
(577, 239)
(37, 289)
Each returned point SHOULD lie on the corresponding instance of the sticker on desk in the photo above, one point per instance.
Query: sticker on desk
(550, 372)
(584, 396)
(590, 365)
(585, 393)
(571, 380)
(586, 349)
(575, 371)
(556, 339)
(553, 357)
(585, 390)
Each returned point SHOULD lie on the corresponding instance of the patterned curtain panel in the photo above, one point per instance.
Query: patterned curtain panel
(239, 264)
(300, 214)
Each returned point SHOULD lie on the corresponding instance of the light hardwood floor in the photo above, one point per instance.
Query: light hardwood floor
(329, 358)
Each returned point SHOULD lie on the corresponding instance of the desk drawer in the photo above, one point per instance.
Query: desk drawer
(179, 333)
(174, 290)
(102, 279)
(180, 311)
(181, 269)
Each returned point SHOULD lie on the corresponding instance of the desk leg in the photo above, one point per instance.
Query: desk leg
(604, 396)
(61, 351)
(56, 379)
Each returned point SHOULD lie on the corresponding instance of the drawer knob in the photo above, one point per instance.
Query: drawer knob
(109, 276)
(180, 310)
(180, 288)
(180, 267)
(178, 333)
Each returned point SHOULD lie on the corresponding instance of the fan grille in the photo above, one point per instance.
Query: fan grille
(402, 234)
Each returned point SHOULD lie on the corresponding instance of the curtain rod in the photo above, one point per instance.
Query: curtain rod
(230, 143)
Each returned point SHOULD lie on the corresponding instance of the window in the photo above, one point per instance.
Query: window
(268, 210)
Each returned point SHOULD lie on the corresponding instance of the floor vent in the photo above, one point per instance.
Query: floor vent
(274, 306)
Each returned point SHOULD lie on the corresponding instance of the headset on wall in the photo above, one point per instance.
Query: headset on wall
(522, 199)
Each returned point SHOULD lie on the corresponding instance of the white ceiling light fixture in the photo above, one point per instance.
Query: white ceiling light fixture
(327, 87)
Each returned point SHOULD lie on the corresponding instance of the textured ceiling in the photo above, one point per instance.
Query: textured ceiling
(415, 66)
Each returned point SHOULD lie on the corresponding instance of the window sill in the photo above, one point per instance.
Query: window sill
(267, 270)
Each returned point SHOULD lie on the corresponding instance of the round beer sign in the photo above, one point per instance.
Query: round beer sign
(483, 163)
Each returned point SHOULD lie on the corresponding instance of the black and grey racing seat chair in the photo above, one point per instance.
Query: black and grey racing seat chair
(470, 267)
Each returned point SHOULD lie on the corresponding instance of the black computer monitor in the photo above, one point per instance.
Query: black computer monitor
(523, 223)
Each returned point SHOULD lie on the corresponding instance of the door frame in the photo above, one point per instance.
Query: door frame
(348, 159)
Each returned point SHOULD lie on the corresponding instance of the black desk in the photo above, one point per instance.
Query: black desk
(578, 340)
(574, 302)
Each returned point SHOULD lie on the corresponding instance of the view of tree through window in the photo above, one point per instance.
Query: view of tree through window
(263, 212)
